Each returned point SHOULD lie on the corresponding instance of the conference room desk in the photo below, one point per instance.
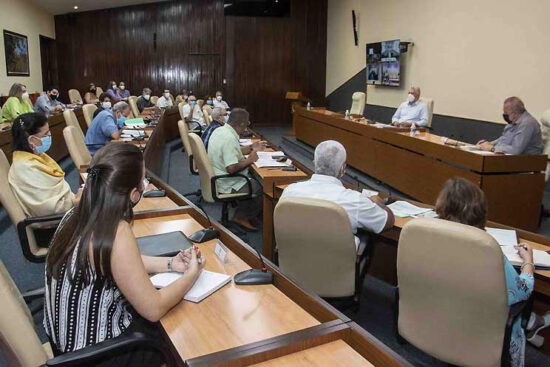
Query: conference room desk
(419, 166)
(246, 325)
(56, 122)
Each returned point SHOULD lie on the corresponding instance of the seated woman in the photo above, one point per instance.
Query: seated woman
(105, 103)
(97, 282)
(462, 201)
(34, 177)
(91, 97)
(18, 102)
(113, 91)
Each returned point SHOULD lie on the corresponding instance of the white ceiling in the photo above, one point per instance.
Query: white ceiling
(56, 7)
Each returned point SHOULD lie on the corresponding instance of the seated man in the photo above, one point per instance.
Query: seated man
(330, 165)
(193, 114)
(104, 127)
(411, 111)
(104, 103)
(144, 101)
(123, 92)
(219, 102)
(522, 135)
(165, 100)
(218, 119)
(47, 103)
(227, 157)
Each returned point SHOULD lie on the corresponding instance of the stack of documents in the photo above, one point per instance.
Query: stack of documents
(207, 283)
(137, 123)
(132, 133)
(508, 239)
(404, 209)
(269, 159)
(245, 142)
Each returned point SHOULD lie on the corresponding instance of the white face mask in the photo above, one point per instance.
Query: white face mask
(122, 87)
(410, 98)
(114, 86)
(25, 95)
(106, 105)
(219, 98)
(146, 96)
(166, 95)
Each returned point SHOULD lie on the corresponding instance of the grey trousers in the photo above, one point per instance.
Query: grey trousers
(253, 207)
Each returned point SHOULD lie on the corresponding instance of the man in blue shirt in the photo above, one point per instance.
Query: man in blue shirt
(47, 103)
(104, 127)
(411, 111)
(218, 120)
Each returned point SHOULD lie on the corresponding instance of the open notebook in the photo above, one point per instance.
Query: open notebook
(207, 283)
(508, 239)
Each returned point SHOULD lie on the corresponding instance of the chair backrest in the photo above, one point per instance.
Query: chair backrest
(452, 292)
(98, 91)
(204, 166)
(88, 111)
(357, 103)
(19, 342)
(207, 113)
(200, 102)
(180, 108)
(71, 120)
(545, 130)
(316, 245)
(132, 101)
(184, 134)
(74, 96)
(430, 104)
(154, 99)
(77, 147)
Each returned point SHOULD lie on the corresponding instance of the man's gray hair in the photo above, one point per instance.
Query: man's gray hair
(330, 157)
(120, 106)
(415, 88)
(516, 104)
(146, 90)
(217, 112)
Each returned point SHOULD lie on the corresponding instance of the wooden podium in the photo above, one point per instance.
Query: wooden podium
(296, 99)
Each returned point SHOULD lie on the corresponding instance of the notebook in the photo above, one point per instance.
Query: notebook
(207, 283)
(404, 209)
(504, 237)
(540, 258)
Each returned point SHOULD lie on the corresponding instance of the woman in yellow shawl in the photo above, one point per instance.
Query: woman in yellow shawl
(17, 104)
(34, 177)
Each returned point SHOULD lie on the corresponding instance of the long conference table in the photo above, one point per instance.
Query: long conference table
(418, 166)
(263, 325)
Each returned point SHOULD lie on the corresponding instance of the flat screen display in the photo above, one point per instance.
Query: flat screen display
(383, 63)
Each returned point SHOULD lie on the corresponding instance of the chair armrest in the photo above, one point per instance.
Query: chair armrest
(215, 190)
(43, 219)
(110, 348)
(192, 165)
(22, 233)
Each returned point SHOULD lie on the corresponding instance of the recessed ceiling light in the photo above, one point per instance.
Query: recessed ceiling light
(75, 7)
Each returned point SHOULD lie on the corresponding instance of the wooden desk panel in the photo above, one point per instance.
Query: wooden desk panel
(234, 315)
(336, 353)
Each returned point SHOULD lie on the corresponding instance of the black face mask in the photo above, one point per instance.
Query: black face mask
(92, 90)
(54, 96)
(506, 118)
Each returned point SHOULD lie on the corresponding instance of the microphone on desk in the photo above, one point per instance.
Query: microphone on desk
(205, 234)
(254, 276)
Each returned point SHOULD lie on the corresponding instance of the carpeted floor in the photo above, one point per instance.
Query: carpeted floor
(376, 312)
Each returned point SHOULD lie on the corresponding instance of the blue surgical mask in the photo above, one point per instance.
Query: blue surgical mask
(209, 102)
(46, 144)
(121, 120)
(226, 118)
(192, 103)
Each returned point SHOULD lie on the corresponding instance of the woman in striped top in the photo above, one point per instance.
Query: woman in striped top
(97, 283)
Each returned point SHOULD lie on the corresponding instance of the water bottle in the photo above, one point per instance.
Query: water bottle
(413, 130)
(347, 114)
(308, 107)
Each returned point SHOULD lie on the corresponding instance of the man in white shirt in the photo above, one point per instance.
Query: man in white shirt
(330, 165)
(193, 114)
(411, 111)
(219, 102)
(166, 100)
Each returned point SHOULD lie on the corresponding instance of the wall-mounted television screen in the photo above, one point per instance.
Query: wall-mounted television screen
(383, 63)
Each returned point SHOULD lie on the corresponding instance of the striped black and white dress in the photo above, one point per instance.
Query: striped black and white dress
(76, 316)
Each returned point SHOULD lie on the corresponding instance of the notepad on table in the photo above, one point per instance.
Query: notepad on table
(245, 142)
(207, 283)
(269, 159)
(540, 258)
(132, 132)
(404, 209)
(135, 123)
(504, 237)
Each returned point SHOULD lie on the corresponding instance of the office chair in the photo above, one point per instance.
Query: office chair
(358, 103)
(98, 91)
(207, 113)
(21, 346)
(75, 97)
(77, 147)
(452, 295)
(132, 101)
(182, 115)
(430, 104)
(184, 134)
(208, 181)
(26, 226)
(88, 112)
(154, 99)
(316, 247)
(71, 120)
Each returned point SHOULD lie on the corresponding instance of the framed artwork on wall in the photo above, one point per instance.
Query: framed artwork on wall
(16, 48)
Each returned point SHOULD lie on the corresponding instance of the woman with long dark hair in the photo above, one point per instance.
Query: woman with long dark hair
(97, 283)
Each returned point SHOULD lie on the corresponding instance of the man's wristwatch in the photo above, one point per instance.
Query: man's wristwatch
(169, 265)
(493, 149)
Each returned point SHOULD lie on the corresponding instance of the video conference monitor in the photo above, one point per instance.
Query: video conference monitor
(383, 64)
